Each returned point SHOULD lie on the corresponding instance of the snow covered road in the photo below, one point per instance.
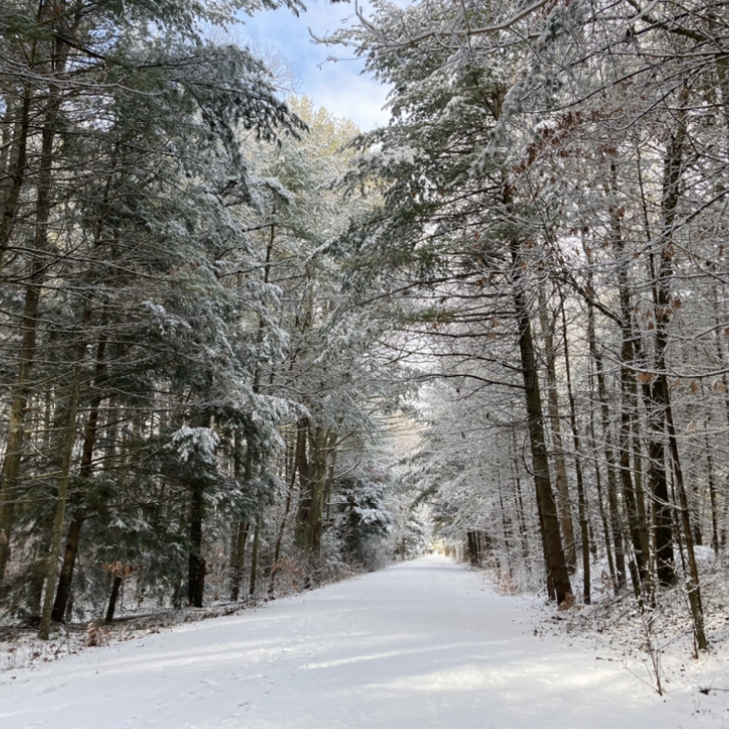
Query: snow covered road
(423, 645)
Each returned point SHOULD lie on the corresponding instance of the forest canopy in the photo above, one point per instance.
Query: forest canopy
(225, 313)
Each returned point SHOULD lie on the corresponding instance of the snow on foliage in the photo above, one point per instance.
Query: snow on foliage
(198, 443)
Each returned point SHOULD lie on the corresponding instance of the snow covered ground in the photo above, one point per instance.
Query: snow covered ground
(424, 644)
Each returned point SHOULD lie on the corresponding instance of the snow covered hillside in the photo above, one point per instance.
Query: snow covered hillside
(421, 645)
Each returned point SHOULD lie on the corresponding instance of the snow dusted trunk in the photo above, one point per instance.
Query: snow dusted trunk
(631, 488)
(616, 527)
(665, 306)
(556, 564)
(313, 466)
(579, 476)
(547, 324)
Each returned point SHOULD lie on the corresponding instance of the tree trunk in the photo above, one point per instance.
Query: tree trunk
(74, 532)
(555, 423)
(313, 473)
(616, 528)
(554, 555)
(60, 515)
(254, 558)
(600, 499)
(16, 170)
(284, 518)
(16, 427)
(581, 498)
(113, 597)
(238, 553)
(712, 492)
(664, 307)
(196, 563)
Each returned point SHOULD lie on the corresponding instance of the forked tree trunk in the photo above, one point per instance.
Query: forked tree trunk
(313, 467)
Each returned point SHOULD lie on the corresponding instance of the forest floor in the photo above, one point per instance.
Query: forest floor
(424, 644)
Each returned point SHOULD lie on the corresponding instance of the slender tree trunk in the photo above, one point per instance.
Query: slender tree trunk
(60, 515)
(13, 453)
(579, 476)
(616, 528)
(242, 527)
(629, 396)
(16, 426)
(16, 170)
(254, 558)
(284, 518)
(600, 498)
(555, 423)
(711, 479)
(504, 525)
(554, 554)
(74, 531)
(196, 563)
(519, 502)
(238, 551)
(693, 585)
(63, 592)
(113, 597)
(664, 309)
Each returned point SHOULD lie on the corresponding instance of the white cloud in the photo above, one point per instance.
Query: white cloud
(338, 85)
(346, 94)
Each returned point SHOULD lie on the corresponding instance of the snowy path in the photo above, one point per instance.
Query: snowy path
(420, 645)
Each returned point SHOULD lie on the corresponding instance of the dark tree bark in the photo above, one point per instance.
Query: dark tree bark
(196, 563)
(616, 529)
(113, 597)
(554, 555)
(579, 476)
(65, 578)
(238, 553)
(555, 428)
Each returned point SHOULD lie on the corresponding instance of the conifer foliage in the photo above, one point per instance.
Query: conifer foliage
(172, 407)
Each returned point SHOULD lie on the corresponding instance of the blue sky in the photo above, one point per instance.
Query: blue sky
(336, 85)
